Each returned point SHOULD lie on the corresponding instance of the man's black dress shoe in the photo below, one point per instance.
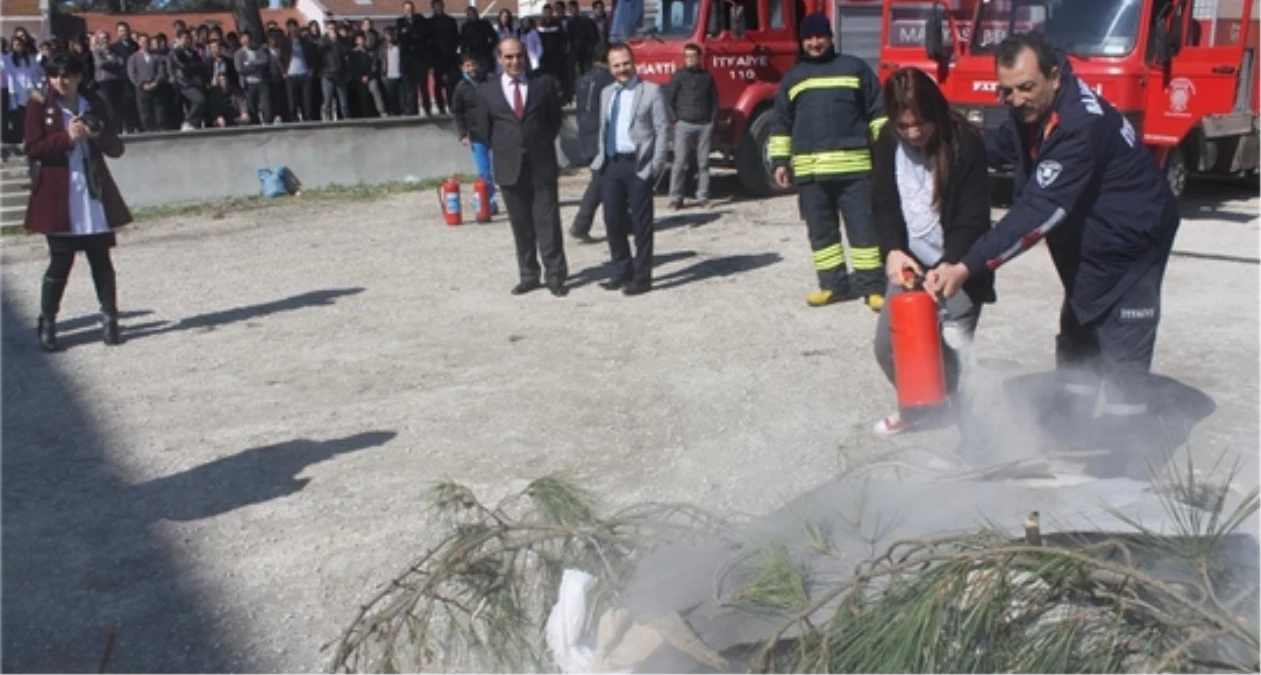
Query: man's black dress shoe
(613, 284)
(558, 288)
(637, 288)
(525, 287)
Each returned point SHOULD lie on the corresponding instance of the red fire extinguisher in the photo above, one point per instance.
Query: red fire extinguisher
(449, 197)
(919, 371)
(481, 200)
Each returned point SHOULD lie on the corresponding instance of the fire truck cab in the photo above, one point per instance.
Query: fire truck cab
(749, 45)
(1183, 71)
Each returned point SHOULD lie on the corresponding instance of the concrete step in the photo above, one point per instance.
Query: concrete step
(12, 215)
(14, 199)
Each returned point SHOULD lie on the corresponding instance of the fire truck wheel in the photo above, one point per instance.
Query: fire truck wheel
(1176, 170)
(753, 162)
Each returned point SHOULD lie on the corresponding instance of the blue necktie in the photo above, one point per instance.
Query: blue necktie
(610, 140)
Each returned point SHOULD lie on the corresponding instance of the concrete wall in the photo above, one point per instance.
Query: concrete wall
(198, 166)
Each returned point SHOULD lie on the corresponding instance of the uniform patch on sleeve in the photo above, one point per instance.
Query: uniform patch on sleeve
(1047, 172)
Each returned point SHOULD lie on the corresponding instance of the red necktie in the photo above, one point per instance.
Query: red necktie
(518, 108)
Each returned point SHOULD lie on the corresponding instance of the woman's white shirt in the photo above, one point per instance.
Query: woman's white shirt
(923, 219)
(87, 215)
(21, 79)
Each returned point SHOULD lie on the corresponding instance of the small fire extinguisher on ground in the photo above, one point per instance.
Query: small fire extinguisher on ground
(919, 370)
(481, 200)
(449, 197)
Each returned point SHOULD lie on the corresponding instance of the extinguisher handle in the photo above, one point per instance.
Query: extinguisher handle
(910, 280)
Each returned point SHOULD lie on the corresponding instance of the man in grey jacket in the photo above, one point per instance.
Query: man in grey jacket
(632, 154)
(148, 73)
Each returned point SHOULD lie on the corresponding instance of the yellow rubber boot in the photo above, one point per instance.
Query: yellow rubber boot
(821, 298)
(876, 302)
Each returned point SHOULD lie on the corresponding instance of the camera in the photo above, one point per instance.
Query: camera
(94, 124)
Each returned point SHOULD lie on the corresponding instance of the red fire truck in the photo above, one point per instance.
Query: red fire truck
(749, 45)
(1183, 70)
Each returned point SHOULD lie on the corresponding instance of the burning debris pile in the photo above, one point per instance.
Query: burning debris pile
(1106, 576)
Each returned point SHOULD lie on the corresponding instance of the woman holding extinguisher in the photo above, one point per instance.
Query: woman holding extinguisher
(930, 202)
(74, 201)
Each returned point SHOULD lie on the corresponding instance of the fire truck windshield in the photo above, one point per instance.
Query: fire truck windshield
(1083, 28)
(665, 18)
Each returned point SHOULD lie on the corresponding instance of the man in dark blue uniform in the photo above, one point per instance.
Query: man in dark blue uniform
(1086, 184)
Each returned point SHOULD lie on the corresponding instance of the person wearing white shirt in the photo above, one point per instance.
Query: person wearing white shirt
(930, 202)
(74, 201)
(632, 156)
(22, 76)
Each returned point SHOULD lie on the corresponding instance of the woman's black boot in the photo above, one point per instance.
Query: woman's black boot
(49, 303)
(109, 324)
(47, 333)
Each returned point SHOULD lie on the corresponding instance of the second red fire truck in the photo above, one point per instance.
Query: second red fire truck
(1183, 71)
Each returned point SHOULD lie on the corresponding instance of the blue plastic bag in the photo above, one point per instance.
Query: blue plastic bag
(278, 182)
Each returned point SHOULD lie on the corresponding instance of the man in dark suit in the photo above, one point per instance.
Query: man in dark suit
(520, 117)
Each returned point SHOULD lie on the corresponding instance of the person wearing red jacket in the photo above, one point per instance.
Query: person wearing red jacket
(74, 200)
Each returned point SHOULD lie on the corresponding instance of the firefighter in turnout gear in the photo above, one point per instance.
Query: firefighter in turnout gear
(827, 110)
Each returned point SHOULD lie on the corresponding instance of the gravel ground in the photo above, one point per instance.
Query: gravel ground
(228, 486)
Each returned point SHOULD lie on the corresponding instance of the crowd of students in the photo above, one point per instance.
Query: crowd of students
(206, 76)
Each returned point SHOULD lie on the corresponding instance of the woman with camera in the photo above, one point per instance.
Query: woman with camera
(74, 200)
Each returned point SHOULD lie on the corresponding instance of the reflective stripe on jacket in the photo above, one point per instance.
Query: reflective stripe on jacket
(826, 112)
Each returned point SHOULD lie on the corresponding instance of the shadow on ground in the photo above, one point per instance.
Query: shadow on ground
(1176, 409)
(1204, 200)
(78, 553)
(247, 478)
(716, 267)
(83, 330)
(694, 219)
(604, 271)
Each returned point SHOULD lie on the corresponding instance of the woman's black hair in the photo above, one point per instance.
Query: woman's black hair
(63, 63)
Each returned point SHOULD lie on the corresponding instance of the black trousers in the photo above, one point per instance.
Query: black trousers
(131, 108)
(196, 98)
(445, 77)
(115, 93)
(823, 203)
(152, 110)
(394, 89)
(1114, 350)
(417, 78)
(628, 209)
(591, 198)
(534, 213)
(16, 125)
(258, 97)
(300, 94)
(61, 253)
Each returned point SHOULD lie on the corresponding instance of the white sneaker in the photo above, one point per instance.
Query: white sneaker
(891, 425)
(187, 127)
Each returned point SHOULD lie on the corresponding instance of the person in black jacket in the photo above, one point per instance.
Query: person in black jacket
(416, 38)
(588, 90)
(334, 67)
(584, 35)
(692, 103)
(477, 37)
(464, 105)
(191, 76)
(446, 54)
(930, 202)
